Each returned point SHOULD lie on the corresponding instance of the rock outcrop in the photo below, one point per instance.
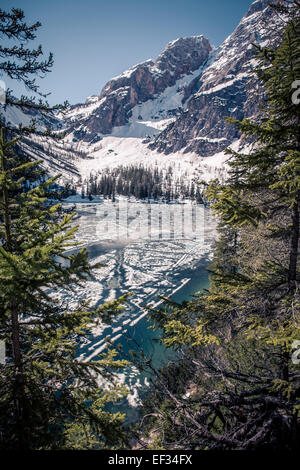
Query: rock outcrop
(143, 82)
(228, 87)
(173, 105)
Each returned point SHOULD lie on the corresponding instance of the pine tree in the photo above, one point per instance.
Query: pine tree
(24, 64)
(48, 396)
(271, 171)
(236, 340)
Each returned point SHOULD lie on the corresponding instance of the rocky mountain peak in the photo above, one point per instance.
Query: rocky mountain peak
(228, 87)
(143, 82)
(183, 54)
(174, 105)
(257, 6)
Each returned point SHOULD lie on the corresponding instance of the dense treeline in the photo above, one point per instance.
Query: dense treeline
(237, 385)
(142, 183)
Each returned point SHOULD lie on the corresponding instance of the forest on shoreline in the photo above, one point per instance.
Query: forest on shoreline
(236, 383)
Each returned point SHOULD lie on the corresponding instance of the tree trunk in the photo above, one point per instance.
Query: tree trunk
(294, 245)
(19, 389)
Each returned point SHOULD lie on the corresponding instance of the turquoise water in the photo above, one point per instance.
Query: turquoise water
(198, 283)
(149, 268)
(148, 339)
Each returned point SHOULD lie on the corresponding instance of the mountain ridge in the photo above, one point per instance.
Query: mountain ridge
(140, 83)
(226, 89)
(169, 110)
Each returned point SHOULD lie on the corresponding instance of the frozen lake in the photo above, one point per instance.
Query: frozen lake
(152, 250)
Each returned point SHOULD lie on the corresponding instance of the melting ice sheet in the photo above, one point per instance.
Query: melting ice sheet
(168, 263)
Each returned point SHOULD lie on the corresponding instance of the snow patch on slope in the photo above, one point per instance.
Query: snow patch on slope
(113, 152)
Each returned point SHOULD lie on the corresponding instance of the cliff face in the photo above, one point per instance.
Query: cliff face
(113, 107)
(208, 85)
(175, 105)
(228, 87)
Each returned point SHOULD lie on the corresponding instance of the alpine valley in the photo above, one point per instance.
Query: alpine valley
(162, 113)
(141, 307)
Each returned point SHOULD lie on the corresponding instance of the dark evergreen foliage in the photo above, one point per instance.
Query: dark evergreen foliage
(24, 64)
(143, 183)
(236, 340)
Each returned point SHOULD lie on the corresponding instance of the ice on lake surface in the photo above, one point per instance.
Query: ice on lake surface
(152, 250)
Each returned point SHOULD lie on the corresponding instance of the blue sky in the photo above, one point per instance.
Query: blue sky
(94, 40)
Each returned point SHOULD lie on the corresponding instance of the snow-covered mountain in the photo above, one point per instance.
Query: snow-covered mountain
(146, 91)
(227, 87)
(168, 111)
